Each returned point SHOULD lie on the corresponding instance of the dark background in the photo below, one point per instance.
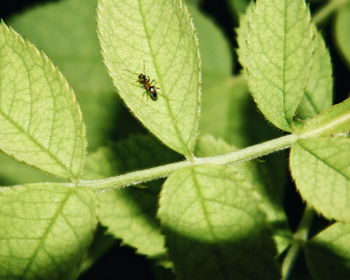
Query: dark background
(121, 262)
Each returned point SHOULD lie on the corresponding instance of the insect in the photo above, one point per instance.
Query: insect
(147, 84)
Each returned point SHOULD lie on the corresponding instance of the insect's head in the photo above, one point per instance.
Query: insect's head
(142, 76)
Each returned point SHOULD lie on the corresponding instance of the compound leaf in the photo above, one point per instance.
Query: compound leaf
(277, 56)
(214, 227)
(320, 168)
(156, 38)
(40, 121)
(46, 230)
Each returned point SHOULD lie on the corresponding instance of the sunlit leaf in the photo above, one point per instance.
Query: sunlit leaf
(276, 54)
(70, 41)
(45, 231)
(319, 94)
(157, 39)
(334, 121)
(321, 170)
(269, 201)
(10, 168)
(214, 227)
(129, 214)
(40, 121)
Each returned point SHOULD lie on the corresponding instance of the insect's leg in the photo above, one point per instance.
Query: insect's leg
(144, 94)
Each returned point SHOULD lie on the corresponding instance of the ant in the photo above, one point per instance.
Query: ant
(147, 84)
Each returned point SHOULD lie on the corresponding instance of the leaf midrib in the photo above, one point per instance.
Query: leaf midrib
(171, 113)
(45, 234)
(218, 250)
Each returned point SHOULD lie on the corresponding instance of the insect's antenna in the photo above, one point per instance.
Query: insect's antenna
(130, 72)
(144, 66)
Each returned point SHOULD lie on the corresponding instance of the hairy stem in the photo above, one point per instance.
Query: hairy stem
(299, 238)
(328, 9)
(141, 176)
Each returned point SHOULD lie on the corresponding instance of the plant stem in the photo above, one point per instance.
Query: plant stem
(328, 9)
(137, 177)
(299, 238)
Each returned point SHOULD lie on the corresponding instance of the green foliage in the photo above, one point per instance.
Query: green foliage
(342, 31)
(45, 230)
(220, 212)
(70, 41)
(269, 196)
(334, 121)
(321, 171)
(318, 93)
(238, 7)
(38, 110)
(214, 50)
(213, 225)
(327, 253)
(159, 41)
(134, 222)
(277, 55)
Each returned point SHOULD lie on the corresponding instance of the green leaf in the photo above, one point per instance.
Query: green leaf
(209, 146)
(342, 22)
(40, 121)
(214, 49)
(46, 230)
(277, 56)
(228, 112)
(194, 2)
(238, 6)
(334, 121)
(10, 168)
(155, 38)
(71, 42)
(129, 214)
(318, 95)
(242, 34)
(320, 168)
(327, 254)
(100, 245)
(270, 201)
(214, 227)
(223, 111)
